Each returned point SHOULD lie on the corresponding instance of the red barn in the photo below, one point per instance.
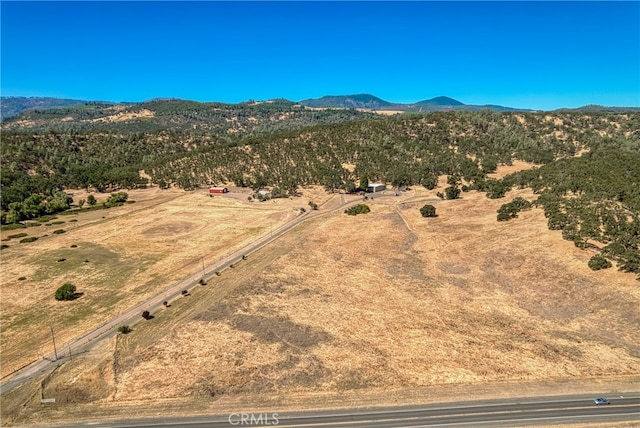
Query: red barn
(214, 190)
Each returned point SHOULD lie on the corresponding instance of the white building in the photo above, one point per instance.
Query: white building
(376, 187)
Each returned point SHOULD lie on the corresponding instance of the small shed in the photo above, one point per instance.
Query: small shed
(217, 190)
(376, 187)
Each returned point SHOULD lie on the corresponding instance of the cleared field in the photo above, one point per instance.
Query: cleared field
(373, 305)
(116, 258)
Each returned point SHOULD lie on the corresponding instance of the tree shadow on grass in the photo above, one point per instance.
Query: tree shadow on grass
(76, 296)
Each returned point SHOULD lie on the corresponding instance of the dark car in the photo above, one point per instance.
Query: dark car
(599, 401)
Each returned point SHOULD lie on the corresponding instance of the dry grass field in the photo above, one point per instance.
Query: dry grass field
(116, 258)
(341, 307)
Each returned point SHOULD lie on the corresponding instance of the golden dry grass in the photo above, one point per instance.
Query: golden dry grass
(374, 306)
(395, 300)
(122, 256)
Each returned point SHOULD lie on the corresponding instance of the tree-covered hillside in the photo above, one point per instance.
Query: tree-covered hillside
(249, 118)
(283, 145)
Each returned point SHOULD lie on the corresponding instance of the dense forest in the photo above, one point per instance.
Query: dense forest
(588, 179)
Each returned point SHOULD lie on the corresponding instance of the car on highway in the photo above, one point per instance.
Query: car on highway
(599, 401)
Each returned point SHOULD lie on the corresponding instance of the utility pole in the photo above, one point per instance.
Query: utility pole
(55, 351)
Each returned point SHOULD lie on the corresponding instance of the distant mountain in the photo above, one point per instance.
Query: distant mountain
(371, 102)
(439, 101)
(594, 108)
(347, 101)
(13, 106)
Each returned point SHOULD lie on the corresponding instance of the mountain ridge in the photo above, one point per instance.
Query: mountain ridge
(15, 105)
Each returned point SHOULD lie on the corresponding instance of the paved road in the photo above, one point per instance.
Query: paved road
(523, 412)
(133, 315)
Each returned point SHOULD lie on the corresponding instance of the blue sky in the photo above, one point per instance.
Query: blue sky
(541, 55)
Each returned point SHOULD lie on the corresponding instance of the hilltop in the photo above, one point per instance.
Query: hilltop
(367, 101)
(13, 106)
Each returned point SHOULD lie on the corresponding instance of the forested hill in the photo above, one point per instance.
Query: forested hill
(247, 118)
(284, 146)
(13, 106)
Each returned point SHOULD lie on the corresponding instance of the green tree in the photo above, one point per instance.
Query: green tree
(364, 183)
(452, 192)
(428, 211)
(66, 292)
(358, 209)
(598, 262)
(91, 200)
(117, 198)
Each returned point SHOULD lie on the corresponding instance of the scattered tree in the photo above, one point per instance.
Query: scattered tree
(358, 209)
(124, 329)
(66, 292)
(452, 192)
(598, 262)
(146, 315)
(428, 211)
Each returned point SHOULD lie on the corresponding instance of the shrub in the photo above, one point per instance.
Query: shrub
(74, 246)
(428, 211)
(117, 198)
(22, 278)
(17, 235)
(66, 292)
(29, 239)
(73, 220)
(358, 209)
(124, 329)
(58, 231)
(313, 205)
(13, 226)
(166, 304)
(452, 192)
(58, 222)
(598, 262)
(46, 218)
(3, 246)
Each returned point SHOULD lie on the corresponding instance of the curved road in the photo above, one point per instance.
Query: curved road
(494, 413)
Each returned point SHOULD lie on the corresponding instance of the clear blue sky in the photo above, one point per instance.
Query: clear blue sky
(541, 55)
